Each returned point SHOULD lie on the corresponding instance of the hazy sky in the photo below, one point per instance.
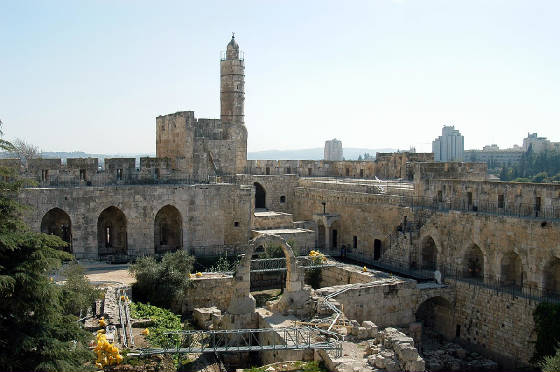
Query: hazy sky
(93, 75)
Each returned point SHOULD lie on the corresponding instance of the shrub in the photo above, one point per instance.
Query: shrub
(551, 363)
(162, 283)
(78, 294)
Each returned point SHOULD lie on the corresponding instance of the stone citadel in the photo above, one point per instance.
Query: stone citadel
(495, 244)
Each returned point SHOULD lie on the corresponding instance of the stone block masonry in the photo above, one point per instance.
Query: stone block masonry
(209, 221)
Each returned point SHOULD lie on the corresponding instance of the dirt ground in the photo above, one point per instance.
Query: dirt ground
(98, 272)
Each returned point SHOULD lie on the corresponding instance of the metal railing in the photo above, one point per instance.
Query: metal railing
(245, 340)
(485, 207)
(279, 264)
(460, 274)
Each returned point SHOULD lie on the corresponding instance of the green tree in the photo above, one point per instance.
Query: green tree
(35, 333)
(162, 283)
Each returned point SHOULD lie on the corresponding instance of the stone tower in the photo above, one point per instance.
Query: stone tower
(232, 85)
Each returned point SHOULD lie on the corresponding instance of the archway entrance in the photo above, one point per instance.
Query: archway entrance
(111, 233)
(474, 263)
(551, 277)
(436, 314)
(168, 230)
(376, 249)
(57, 222)
(512, 270)
(429, 254)
(260, 196)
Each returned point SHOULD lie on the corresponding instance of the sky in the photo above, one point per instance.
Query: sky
(93, 75)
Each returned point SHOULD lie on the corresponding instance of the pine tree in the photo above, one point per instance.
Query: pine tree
(35, 333)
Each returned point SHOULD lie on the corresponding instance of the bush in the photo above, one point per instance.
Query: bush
(78, 294)
(551, 363)
(162, 283)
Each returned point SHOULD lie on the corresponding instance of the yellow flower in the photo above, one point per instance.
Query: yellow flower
(199, 274)
(364, 269)
(146, 332)
(98, 365)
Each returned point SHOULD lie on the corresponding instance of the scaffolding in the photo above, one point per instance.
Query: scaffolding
(246, 340)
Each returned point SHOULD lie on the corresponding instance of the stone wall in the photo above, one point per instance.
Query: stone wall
(497, 324)
(386, 302)
(347, 274)
(509, 198)
(208, 291)
(212, 222)
(275, 187)
(365, 216)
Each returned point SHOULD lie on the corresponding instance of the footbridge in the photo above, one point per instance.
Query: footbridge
(245, 340)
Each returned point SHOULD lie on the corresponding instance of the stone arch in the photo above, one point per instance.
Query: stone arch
(436, 314)
(511, 270)
(57, 222)
(111, 233)
(168, 230)
(295, 295)
(473, 263)
(428, 253)
(260, 196)
(551, 276)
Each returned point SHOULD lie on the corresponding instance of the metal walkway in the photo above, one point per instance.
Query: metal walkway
(279, 264)
(245, 340)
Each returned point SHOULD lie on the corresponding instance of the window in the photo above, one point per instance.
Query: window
(163, 234)
(119, 174)
(347, 172)
(355, 242)
(500, 201)
(538, 203)
(282, 199)
(236, 224)
(439, 196)
(469, 198)
(288, 170)
(267, 171)
(45, 175)
(361, 173)
(82, 174)
(108, 237)
(309, 171)
(156, 173)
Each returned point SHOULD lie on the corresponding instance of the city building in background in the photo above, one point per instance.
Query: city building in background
(333, 150)
(450, 146)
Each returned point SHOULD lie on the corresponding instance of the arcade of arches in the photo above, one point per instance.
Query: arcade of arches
(57, 222)
(168, 232)
(111, 232)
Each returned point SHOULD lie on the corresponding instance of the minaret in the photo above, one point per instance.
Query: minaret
(232, 85)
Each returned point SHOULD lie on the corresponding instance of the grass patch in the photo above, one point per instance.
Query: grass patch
(164, 321)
